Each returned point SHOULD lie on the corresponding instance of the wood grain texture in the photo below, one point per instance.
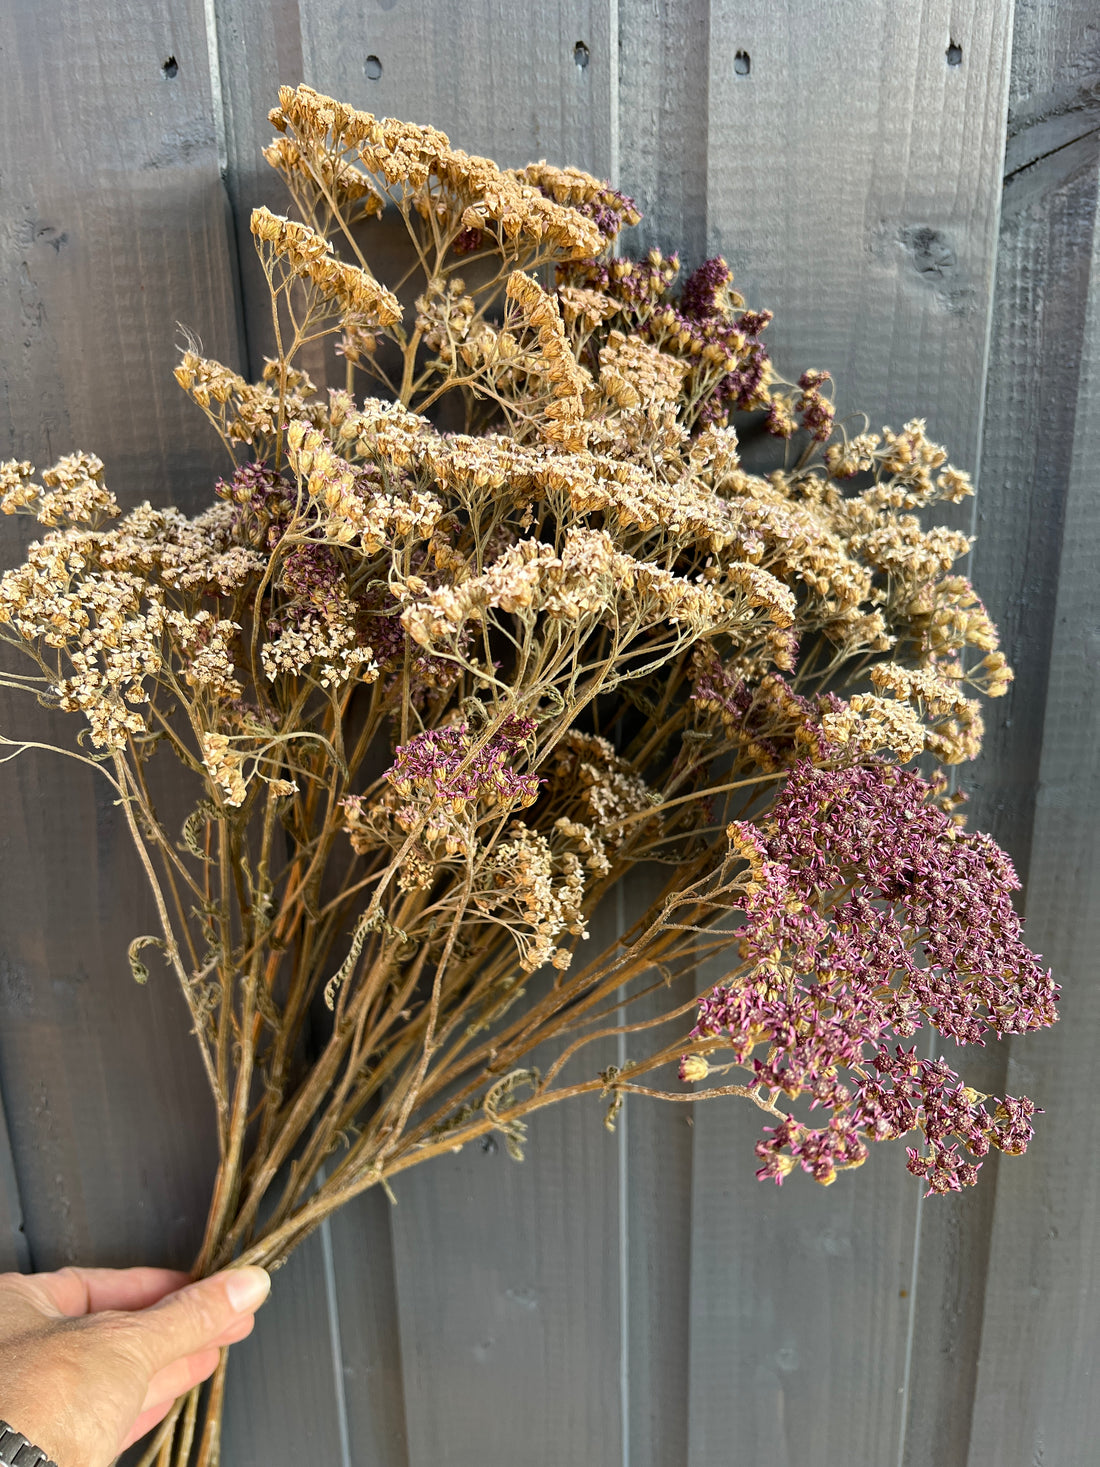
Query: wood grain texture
(656, 1233)
(14, 1253)
(1036, 343)
(506, 1276)
(858, 196)
(113, 230)
(259, 49)
(860, 201)
(508, 1299)
(1035, 1399)
(282, 1404)
(369, 1337)
(663, 76)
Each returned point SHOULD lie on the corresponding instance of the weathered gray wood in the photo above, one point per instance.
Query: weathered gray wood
(369, 1337)
(508, 1297)
(14, 1253)
(860, 201)
(114, 229)
(1028, 441)
(1035, 1399)
(507, 1278)
(657, 1232)
(259, 48)
(663, 52)
(282, 1404)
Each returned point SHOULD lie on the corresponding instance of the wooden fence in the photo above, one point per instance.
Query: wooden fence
(913, 188)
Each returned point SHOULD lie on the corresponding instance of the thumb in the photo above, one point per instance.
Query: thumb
(197, 1316)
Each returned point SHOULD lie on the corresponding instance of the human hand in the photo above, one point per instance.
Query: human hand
(91, 1358)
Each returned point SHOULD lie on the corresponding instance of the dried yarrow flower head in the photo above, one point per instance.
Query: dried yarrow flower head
(869, 913)
(473, 629)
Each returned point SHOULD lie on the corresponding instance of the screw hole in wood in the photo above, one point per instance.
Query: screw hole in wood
(742, 63)
(170, 68)
(373, 68)
(580, 55)
(954, 54)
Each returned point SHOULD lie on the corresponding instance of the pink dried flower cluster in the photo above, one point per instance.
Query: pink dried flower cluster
(868, 912)
(445, 764)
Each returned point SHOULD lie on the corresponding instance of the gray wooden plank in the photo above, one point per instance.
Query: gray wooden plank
(1035, 1399)
(368, 1331)
(507, 1299)
(663, 124)
(115, 228)
(859, 201)
(14, 1253)
(1035, 357)
(282, 1404)
(259, 48)
(657, 1238)
(662, 108)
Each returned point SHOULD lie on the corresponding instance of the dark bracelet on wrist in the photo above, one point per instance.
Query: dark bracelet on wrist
(17, 1451)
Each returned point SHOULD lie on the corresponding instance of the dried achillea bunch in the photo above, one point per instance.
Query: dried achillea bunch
(460, 642)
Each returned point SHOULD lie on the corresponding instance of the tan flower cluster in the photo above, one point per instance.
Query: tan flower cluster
(205, 642)
(77, 493)
(588, 578)
(225, 765)
(537, 894)
(474, 189)
(108, 624)
(870, 725)
(632, 372)
(578, 189)
(584, 307)
(349, 512)
(323, 645)
(563, 420)
(331, 176)
(309, 254)
(603, 790)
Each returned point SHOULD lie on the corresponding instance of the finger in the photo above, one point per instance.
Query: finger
(237, 1332)
(76, 1291)
(145, 1422)
(192, 1319)
(178, 1378)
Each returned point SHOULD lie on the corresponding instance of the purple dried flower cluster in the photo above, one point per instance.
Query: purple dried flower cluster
(773, 725)
(607, 210)
(868, 911)
(816, 410)
(311, 573)
(704, 326)
(264, 504)
(440, 763)
(699, 298)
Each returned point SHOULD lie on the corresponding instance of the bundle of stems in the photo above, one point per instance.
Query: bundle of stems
(447, 663)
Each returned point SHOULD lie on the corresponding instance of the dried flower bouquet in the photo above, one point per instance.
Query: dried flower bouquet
(441, 690)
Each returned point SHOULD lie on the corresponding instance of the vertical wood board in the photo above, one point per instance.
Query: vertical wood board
(1027, 450)
(115, 228)
(859, 201)
(1035, 1399)
(663, 99)
(853, 183)
(14, 1253)
(506, 1276)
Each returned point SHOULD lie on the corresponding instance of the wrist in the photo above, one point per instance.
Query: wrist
(17, 1451)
